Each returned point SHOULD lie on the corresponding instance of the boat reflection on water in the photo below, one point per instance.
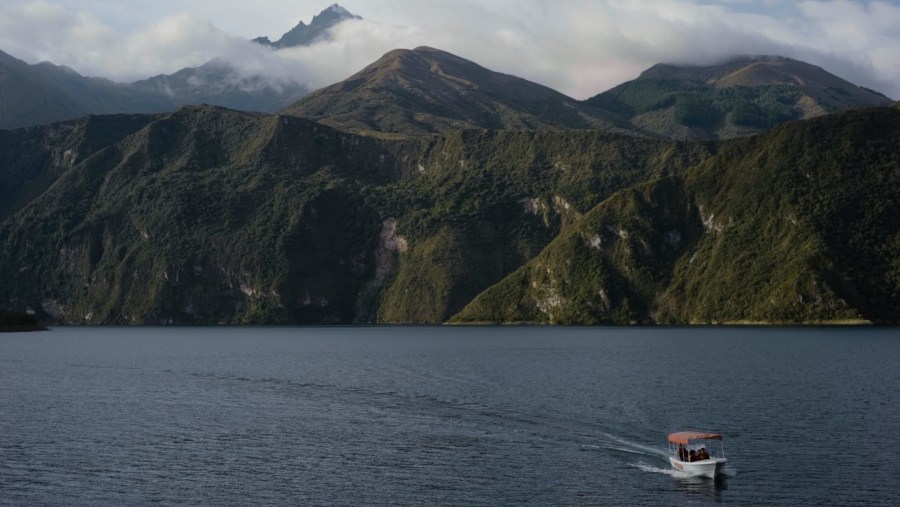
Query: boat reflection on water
(703, 486)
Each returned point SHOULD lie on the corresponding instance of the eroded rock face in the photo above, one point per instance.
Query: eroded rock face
(390, 245)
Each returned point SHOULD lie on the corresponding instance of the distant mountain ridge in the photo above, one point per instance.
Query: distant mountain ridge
(426, 90)
(749, 71)
(45, 93)
(743, 96)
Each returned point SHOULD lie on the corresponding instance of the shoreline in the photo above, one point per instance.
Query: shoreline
(696, 325)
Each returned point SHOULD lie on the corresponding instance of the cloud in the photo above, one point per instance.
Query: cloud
(580, 47)
(34, 29)
(41, 31)
(352, 45)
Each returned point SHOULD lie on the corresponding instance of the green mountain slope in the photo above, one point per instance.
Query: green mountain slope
(801, 224)
(192, 219)
(425, 90)
(31, 159)
(480, 204)
(208, 215)
(741, 97)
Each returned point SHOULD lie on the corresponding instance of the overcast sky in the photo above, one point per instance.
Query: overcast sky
(579, 47)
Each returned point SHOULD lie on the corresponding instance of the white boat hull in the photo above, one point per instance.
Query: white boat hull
(706, 468)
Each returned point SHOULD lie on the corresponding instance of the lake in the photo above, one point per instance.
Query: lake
(446, 415)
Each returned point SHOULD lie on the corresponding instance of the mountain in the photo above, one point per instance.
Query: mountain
(432, 189)
(304, 35)
(741, 97)
(206, 187)
(208, 215)
(425, 90)
(218, 83)
(44, 93)
(32, 159)
(797, 225)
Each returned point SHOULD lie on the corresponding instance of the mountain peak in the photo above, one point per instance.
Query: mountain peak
(340, 11)
(317, 29)
(426, 90)
(332, 15)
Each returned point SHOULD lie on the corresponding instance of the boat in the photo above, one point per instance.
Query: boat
(686, 456)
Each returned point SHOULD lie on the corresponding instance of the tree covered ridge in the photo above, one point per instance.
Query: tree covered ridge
(799, 225)
(209, 216)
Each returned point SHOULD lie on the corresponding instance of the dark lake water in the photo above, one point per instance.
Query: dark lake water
(446, 416)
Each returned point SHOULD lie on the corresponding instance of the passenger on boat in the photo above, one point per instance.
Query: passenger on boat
(702, 454)
(692, 456)
(682, 453)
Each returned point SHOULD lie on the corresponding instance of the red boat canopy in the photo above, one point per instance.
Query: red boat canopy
(683, 437)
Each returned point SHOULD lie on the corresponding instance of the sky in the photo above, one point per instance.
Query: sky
(579, 47)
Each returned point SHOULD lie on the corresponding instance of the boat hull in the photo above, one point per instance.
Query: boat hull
(706, 468)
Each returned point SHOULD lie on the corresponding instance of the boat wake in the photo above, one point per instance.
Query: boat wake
(658, 470)
(614, 443)
(671, 472)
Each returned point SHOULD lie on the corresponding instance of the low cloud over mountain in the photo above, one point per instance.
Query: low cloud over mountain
(580, 47)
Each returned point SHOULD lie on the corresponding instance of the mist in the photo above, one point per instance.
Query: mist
(579, 47)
